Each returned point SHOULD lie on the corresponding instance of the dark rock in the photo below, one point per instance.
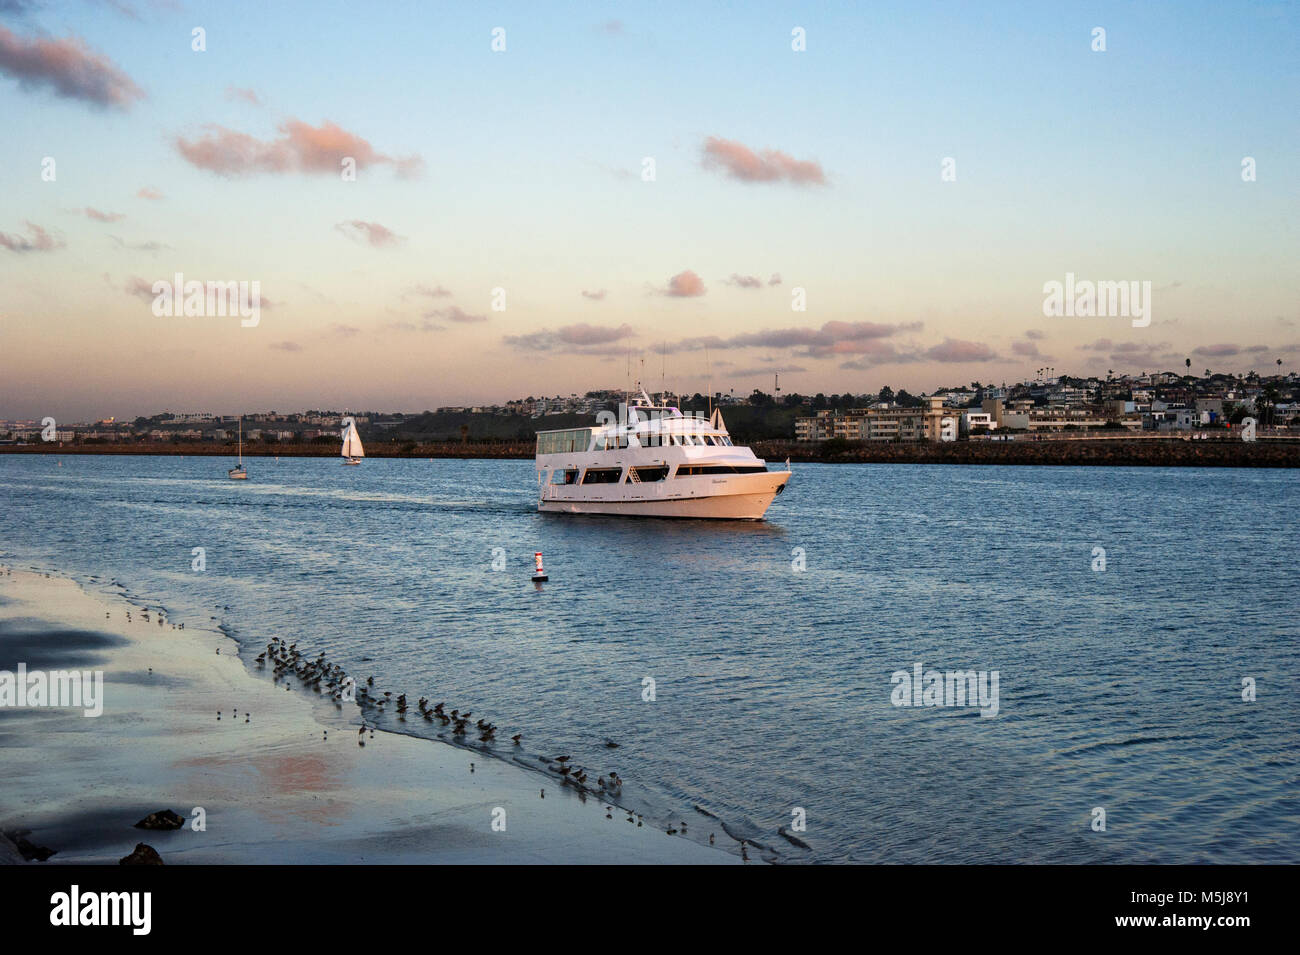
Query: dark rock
(28, 850)
(143, 855)
(9, 854)
(162, 819)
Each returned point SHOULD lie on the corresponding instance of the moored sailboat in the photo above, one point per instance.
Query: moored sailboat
(239, 472)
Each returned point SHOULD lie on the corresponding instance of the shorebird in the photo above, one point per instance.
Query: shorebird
(516, 738)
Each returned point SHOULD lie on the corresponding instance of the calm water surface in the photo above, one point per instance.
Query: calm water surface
(1118, 689)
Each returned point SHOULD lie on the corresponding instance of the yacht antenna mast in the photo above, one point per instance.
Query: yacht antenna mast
(709, 367)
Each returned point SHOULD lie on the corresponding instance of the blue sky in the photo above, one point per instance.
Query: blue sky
(1115, 165)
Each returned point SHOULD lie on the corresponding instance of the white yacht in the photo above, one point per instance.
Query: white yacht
(653, 461)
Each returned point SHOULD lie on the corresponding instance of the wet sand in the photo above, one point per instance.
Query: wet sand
(280, 778)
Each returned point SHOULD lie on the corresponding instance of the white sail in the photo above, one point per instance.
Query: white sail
(352, 443)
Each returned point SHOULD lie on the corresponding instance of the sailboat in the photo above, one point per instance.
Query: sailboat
(239, 472)
(352, 450)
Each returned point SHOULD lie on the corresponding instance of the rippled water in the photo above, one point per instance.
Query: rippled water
(1118, 689)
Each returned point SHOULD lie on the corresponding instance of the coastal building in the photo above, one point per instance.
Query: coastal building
(878, 423)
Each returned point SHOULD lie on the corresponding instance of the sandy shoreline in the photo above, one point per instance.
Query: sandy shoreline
(279, 778)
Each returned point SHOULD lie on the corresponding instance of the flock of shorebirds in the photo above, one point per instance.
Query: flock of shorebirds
(325, 677)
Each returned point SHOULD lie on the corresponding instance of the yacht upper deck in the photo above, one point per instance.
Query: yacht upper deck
(639, 425)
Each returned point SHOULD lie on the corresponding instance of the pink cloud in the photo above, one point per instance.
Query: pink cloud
(149, 192)
(685, 285)
(104, 216)
(745, 281)
(300, 147)
(768, 165)
(68, 67)
(40, 241)
(596, 296)
(370, 233)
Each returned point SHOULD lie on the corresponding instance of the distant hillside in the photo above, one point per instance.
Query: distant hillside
(447, 425)
(744, 422)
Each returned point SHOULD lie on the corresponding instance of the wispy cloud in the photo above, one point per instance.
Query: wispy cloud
(243, 94)
(428, 291)
(369, 233)
(300, 147)
(140, 288)
(103, 216)
(597, 296)
(454, 313)
(1217, 351)
(956, 351)
(37, 240)
(149, 192)
(68, 67)
(139, 246)
(580, 338)
(831, 338)
(740, 162)
(423, 326)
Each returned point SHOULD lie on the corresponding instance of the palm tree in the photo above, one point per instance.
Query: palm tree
(1267, 401)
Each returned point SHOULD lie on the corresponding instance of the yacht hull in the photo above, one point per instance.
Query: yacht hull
(740, 498)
